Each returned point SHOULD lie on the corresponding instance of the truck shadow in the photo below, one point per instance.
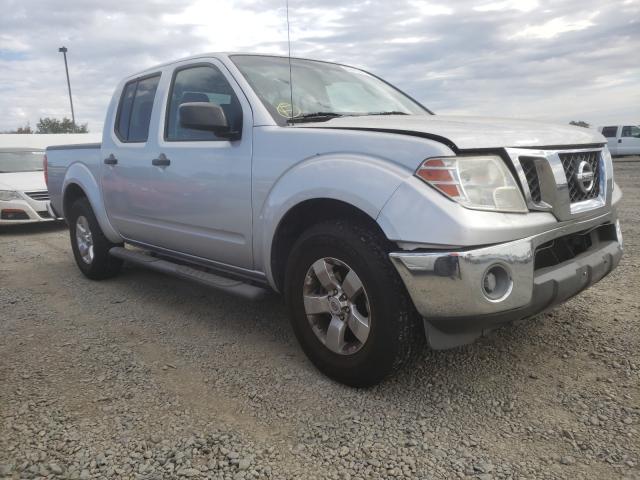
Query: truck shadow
(32, 228)
(209, 318)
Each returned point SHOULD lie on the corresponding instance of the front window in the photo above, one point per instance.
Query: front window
(21, 161)
(321, 90)
(631, 131)
(201, 83)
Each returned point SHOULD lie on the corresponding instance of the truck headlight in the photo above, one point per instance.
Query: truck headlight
(7, 195)
(608, 162)
(481, 182)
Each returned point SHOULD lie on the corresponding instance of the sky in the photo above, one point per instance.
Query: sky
(553, 61)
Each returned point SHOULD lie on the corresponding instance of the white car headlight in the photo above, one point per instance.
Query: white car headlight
(7, 195)
(481, 182)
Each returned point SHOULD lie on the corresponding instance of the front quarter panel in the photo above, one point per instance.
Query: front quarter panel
(293, 165)
(362, 182)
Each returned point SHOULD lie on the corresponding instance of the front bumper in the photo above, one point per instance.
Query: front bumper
(20, 211)
(449, 288)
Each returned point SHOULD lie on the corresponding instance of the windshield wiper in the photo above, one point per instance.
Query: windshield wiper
(315, 117)
(392, 112)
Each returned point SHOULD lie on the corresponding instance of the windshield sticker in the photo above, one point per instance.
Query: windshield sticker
(284, 110)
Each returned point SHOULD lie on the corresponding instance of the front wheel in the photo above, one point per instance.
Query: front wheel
(90, 246)
(348, 306)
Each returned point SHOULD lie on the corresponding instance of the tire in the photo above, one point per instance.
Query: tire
(395, 332)
(93, 261)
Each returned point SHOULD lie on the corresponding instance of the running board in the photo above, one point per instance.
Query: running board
(218, 282)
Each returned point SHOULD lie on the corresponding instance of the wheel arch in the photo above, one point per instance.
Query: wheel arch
(321, 187)
(72, 193)
(80, 182)
(302, 216)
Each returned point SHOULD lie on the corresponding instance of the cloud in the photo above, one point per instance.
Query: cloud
(534, 59)
(557, 26)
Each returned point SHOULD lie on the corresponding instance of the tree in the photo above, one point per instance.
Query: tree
(53, 125)
(579, 123)
(25, 129)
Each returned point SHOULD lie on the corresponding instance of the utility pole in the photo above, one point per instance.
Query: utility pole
(63, 50)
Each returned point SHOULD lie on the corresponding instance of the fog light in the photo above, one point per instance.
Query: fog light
(496, 283)
(490, 283)
(13, 214)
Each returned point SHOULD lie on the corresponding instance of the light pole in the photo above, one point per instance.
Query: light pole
(63, 50)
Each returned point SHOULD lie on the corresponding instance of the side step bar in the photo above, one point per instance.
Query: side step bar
(224, 284)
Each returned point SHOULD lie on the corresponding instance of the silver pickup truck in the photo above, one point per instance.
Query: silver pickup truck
(382, 224)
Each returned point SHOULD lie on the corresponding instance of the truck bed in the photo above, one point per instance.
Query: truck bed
(63, 158)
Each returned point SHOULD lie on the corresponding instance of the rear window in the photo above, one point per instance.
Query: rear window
(609, 131)
(134, 111)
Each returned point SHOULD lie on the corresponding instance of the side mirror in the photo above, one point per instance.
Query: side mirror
(206, 116)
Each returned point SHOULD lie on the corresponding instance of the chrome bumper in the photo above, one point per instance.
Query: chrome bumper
(449, 289)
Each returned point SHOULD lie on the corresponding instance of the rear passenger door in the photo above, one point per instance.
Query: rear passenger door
(610, 133)
(127, 191)
(629, 140)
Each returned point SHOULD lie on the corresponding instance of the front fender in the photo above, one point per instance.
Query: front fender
(362, 181)
(80, 175)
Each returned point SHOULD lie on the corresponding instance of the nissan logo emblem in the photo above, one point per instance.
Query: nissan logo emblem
(585, 177)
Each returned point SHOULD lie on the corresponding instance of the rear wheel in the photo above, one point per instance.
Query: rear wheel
(348, 306)
(90, 246)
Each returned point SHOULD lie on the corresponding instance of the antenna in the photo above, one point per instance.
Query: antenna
(290, 74)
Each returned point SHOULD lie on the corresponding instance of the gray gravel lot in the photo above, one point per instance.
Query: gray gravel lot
(146, 376)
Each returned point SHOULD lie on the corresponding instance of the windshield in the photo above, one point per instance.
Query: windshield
(321, 89)
(26, 161)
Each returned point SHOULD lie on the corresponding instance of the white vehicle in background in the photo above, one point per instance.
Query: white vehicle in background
(622, 139)
(23, 193)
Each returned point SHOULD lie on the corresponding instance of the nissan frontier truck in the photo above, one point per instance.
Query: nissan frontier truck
(382, 224)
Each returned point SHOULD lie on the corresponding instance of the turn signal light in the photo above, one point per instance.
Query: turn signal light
(442, 174)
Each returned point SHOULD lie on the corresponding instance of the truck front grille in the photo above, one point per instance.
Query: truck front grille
(39, 196)
(529, 168)
(571, 163)
(567, 182)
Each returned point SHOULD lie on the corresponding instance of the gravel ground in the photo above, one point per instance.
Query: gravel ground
(146, 376)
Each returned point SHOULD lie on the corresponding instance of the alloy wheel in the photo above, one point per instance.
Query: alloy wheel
(84, 239)
(337, 306)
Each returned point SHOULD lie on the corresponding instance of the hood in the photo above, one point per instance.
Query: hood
(23, 181)
(471, 132)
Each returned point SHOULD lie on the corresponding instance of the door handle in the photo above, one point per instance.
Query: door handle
(111, 160)
(161, 161)
(619, 140)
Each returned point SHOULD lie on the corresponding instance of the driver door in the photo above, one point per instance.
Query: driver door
(202, 185)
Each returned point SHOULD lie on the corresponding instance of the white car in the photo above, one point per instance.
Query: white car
(622, 139)
(23, 192)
